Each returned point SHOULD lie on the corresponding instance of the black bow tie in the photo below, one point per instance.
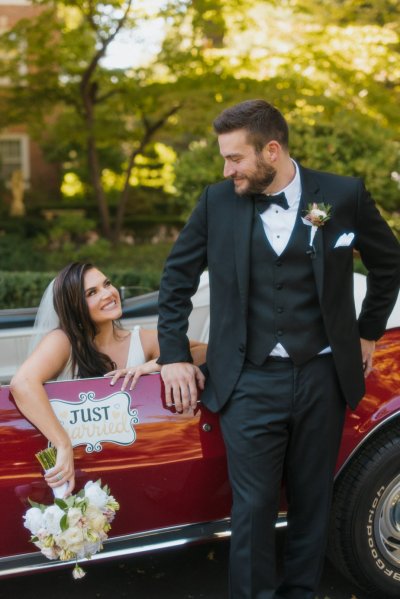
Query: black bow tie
(262, 201)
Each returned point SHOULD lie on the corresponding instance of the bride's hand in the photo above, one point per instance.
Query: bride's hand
(133, 373)
(64, 471)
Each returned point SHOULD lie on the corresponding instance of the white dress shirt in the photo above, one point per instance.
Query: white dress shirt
(278, 225)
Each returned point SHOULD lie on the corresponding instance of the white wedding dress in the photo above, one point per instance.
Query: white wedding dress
(135, 356)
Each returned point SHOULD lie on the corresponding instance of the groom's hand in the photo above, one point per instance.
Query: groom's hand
(367, 351)
(181, 380)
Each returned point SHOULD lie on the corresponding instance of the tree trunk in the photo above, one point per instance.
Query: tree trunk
(149, 131)
(95, 178)
(89, 96)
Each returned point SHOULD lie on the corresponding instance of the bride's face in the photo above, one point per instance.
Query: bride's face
(102, 297)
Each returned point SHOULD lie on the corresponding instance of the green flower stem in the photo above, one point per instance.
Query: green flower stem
(47, 457)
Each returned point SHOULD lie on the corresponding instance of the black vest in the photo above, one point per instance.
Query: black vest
(283, 300)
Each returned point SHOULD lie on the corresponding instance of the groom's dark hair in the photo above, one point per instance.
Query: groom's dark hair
(262, 121)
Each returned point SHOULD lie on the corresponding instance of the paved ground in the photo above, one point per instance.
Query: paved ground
(185, 573)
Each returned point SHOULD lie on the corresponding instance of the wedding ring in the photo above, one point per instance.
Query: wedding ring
(59, 477)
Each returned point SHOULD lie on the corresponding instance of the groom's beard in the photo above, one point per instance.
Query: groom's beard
(259, 180)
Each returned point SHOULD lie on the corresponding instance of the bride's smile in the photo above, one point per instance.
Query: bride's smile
(101, 296)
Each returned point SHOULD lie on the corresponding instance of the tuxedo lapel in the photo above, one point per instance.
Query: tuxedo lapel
(311, 193)
(243, 219)
(318, 261)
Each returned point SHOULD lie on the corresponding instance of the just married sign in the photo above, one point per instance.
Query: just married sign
(92, 420)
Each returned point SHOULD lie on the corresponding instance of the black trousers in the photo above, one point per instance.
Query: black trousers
(281, 421)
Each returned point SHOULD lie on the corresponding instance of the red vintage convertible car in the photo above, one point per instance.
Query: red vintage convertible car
(168, 471)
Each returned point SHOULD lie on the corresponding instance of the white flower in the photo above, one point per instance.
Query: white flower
(96, 520)
(33, 520)
(78, 572)
(95, 494)
(103, 535)
(85, 519)
(49, 552)
(38, 544)
(42, 534)
(90, 549)
(92, 511)
(74, 515)
(112, 504)
(51, 519)
(71, 539)
(316, 212)
(109, 512)
(66, 555)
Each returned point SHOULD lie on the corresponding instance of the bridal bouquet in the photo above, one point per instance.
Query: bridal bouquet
(74, 527)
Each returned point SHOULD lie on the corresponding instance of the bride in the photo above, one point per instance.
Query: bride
(78, 336)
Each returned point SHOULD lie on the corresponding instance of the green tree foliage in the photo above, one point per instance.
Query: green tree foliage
(332, 67)
(89, 117)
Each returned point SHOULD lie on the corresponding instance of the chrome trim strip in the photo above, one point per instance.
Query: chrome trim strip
(138, 543)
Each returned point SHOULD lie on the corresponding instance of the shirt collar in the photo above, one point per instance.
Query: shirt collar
(293, 190)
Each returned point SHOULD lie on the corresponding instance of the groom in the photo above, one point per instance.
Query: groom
(286, 353)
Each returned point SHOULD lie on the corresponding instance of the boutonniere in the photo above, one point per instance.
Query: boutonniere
(316, 216)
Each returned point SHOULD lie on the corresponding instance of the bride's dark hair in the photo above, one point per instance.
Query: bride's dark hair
(72, 310)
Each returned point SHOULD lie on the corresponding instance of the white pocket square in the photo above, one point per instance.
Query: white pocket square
(344, 240)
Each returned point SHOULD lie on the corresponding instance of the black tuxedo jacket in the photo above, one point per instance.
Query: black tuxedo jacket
(217, 236)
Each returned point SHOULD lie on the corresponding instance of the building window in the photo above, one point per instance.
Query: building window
(14, 156)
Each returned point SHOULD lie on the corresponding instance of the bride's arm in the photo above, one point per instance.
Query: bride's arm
(198, 351)
(44, 364)
(151, 347)
(151, 350)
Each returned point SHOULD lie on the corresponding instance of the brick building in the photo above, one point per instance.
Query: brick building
(18, 152)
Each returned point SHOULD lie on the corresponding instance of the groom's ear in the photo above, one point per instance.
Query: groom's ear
(272, 150)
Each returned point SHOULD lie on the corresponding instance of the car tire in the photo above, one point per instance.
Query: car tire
(365, 523)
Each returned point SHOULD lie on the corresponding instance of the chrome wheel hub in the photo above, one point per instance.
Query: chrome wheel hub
(387, 523)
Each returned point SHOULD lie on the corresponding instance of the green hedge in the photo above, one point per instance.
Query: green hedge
(19, 254)
(22, 289)
(35, 255)
(136, 267)
(25, 289)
